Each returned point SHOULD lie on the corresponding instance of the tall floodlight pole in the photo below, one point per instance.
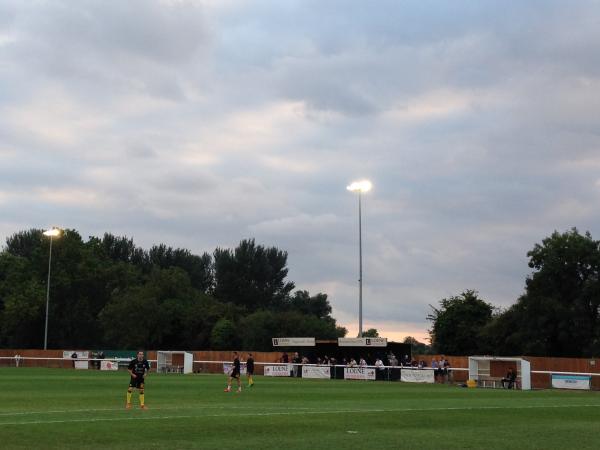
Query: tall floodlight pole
(360, 187)
(52, 233)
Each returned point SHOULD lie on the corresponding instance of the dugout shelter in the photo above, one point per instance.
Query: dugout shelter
(488, 371)
(169, 361)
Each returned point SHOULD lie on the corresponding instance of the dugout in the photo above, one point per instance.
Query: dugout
(488, 371)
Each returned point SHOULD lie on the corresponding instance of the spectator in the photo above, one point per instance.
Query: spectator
(443, 370)
(74, 357)
(406, 361)
(436, 369)
(362, 362)
(380, 369)
(296, 360)
(284, 358)
(352, 363)
(17, 360)
(508, 382)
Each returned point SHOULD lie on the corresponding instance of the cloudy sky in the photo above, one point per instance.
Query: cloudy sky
(200, 123)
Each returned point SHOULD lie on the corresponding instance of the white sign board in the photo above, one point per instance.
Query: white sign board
(282, 370)
(316, 372)
(417, 376)
(362, 342)
(359, 373)
(68, 354)
(107, 364)
(294, 342)
(571, 381)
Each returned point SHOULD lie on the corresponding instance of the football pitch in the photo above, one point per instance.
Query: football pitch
(60, 408)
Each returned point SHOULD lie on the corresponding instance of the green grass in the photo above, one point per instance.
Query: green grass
(59, 408)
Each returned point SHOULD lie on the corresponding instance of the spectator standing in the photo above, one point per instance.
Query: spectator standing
(443, 370)
(380, 369)
(296, 360)
(436, 369)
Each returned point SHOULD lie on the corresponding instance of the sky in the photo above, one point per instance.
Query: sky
(201, 123)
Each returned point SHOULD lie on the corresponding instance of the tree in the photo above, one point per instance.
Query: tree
(457, 323)
(316, 305)
(107, 292)
(417, 348)
(371, 332)
(251, 276)
(223, 335)
(558, 314)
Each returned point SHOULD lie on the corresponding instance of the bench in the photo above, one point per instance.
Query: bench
(494, 382)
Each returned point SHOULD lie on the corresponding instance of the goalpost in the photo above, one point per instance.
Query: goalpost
(174, 362)
(482, 368)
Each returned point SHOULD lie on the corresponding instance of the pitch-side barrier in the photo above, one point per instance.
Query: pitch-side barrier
(551, 379)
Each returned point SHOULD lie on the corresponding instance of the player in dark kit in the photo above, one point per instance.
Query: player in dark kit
(250, 369)
(235, 373)
(138, 368)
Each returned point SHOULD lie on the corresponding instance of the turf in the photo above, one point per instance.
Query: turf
(59, 408)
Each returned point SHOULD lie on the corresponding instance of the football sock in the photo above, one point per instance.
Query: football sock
(128, 397)
(141, 399)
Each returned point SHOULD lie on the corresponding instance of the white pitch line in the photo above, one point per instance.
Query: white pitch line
(166, 408)
(296, 413)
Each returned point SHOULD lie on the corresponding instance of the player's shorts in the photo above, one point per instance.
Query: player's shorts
(249, 371)
(235, 374)
(137, 383)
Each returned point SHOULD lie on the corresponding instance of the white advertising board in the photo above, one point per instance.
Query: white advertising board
(359, 373)
(68, 354)
(316, 372)
(293, 342)
(417, 376)
(571, 381)
(362, 342)
(107, 364)
(281, 370)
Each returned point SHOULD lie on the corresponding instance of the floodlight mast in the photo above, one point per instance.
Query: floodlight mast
(51, 233)
(360, 187)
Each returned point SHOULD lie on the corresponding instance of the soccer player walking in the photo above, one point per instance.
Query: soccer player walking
(235, 373)
(138, 369)
(250, 369)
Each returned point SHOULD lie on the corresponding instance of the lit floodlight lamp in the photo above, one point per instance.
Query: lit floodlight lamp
(53, 232)
(360, 186)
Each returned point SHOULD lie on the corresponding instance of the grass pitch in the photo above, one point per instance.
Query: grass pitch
(68, 409)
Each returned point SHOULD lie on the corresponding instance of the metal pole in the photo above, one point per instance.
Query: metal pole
(360, 277)
(48, 296)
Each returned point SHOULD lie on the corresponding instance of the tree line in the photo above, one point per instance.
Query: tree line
(557, 315)
(109, 293)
